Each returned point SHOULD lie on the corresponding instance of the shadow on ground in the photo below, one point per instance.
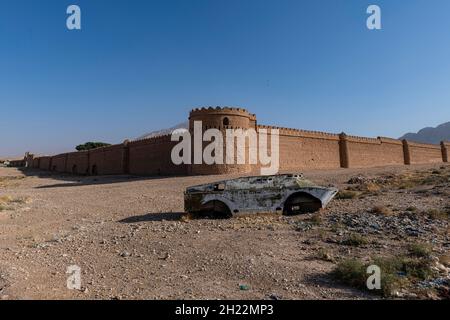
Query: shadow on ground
(160, 216)
(77, 181)
(325, 280)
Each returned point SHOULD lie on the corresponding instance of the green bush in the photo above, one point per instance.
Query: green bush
(355, 240)
(396, 272)
(419, 250)
(91, 145)
(351, 272)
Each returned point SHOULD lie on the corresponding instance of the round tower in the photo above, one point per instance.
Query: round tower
(222, 118)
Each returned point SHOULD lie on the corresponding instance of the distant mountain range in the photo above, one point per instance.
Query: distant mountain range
(430, 135)
(163, 132)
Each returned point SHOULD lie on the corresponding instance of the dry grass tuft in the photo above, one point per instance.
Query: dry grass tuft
(316, 219)
(382, 210)
(6, 201)
(419, 250)
(324, 255)
(355, 240)
(437, 214)
(10, 181)
(347, 194)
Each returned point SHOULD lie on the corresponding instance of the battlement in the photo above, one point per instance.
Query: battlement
(221, 110)
(362, 139)
(300, 132)
(390, 140)
(423, 145)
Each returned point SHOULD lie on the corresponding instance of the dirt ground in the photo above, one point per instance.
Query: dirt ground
(128, 236)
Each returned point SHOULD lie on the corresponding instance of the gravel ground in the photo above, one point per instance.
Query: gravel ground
(128, 236)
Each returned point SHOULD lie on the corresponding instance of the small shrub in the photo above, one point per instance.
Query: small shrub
(437, 214)
(385, 211)
(411, 209)
(316, 219)
(337, 227)
(355, 240)
(396, 272)
(406, 185)
(6, 200)
(418, 268)
(324, 255)
(372, 187)
(351, 272)
(347, 194)
(419, 250)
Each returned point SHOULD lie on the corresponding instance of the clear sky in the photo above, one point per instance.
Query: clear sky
(138, 66)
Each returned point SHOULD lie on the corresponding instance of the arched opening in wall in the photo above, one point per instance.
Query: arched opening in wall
(53, 168)
(301, 202)
(74, 169)
(226, 121)
(94, 170)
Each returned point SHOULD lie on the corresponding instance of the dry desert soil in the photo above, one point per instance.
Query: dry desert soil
(131, 240)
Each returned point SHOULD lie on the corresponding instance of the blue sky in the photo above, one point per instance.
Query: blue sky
(138, 66)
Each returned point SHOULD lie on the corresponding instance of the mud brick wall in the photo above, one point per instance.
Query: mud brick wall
(44, 163)
(153, 157)
(301, 149)
(370, 152)
(78, 162)
(424, 153)
(445, 148)
(58, 163)
(108, 160)
(36, 163)
(17, 163)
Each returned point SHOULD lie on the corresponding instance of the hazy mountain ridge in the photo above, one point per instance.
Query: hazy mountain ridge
(430, 135)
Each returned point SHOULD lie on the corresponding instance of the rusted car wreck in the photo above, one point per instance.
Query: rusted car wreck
(289, 193)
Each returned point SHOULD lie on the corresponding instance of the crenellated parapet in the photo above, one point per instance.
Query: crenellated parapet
(222, 118)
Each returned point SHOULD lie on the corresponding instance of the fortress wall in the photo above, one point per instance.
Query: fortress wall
(300, 149)
(445, 149)
(391, 152)
(36, 163)
(153, 157)
(107, 160)
(58, 163)
(424, 153)
(78, 162)
(369, 152)
(44, 163)
(16, 163)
